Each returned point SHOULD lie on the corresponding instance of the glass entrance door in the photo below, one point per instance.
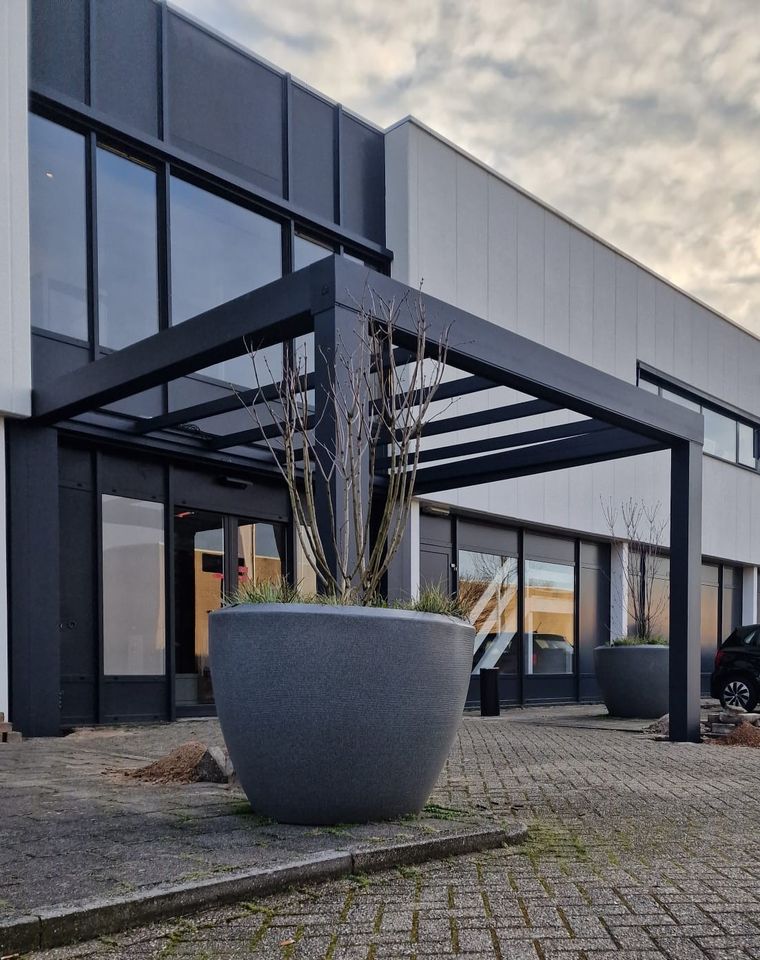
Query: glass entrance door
(214, 554)
(199, 579)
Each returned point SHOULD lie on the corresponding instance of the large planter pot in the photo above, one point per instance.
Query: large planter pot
(633, 680)
(338, 714)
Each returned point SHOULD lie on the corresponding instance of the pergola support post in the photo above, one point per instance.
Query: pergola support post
(685, 597)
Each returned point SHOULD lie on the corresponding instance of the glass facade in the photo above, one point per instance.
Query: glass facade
(127, 250)
(549, 617)
(57, 228)
(134, 622)
(488, 588)
(261, 552)
(306, 251)
(649, 580)
(219, 251)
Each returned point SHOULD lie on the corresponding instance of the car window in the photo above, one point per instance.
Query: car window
(748, 638)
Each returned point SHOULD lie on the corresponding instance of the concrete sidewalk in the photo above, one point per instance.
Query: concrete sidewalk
(76, 835)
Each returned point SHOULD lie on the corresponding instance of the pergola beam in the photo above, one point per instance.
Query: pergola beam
(212, 408)
(608, 444)
(254, 435)
(272, 314)
(483, 418)
(488, 350)
(557, 431)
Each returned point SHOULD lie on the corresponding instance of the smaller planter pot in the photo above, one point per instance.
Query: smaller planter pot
(633, 680)
(338, 714)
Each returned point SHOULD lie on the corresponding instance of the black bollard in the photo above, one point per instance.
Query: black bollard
(489, 692)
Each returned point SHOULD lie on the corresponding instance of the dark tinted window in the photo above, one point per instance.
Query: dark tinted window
(58, 29)
(58, 234)
(741, 637)
(224, 107)
(126, 61)
(219, 251)
(127, 251)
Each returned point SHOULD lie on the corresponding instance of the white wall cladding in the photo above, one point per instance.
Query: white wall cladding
(475, 240)
(15, 364)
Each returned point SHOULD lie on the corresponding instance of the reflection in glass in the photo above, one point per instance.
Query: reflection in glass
(57, 228)
(261, 552)
(549, 617)
(709, 619)
(488, 591)
(307, 251)
(220, 250)
(199, 589)
(649, 580)
(720, 435)
(306, 572)
(681, 400)
(747, 445)
(127, 251)
(133, 587)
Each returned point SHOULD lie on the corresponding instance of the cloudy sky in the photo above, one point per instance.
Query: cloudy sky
(638, 118)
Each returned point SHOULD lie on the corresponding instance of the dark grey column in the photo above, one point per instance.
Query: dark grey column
(33, 582)
(685, 589)
(336, 339)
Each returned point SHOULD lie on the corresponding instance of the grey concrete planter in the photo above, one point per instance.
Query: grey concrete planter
(338, 714)
(633, 680)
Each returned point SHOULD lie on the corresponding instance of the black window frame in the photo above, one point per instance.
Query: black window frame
(154, 155)
(654, 378)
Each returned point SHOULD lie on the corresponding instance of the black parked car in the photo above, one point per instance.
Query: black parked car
(735, 681)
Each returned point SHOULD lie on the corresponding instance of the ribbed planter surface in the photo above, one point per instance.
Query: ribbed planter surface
(633, 680)
(338, 714)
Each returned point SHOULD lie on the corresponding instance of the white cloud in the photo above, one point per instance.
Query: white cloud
(638, 118)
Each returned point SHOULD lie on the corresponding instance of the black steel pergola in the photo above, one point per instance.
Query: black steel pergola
(615, 419)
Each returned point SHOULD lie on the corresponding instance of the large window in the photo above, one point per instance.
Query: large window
(727, 436)
(488, 591)
(549, 617)
(220, 250)
(58, 231)
(133, 587)
(127, 251)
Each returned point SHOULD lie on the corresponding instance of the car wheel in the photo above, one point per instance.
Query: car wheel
(738, 691)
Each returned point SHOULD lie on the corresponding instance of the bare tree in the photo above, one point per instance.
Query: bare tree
(380, 405)
(644, 531)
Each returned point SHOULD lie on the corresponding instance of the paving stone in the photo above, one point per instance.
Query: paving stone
(637, 850)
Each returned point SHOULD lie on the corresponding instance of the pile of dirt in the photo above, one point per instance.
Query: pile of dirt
(743, 735)
(185, 764)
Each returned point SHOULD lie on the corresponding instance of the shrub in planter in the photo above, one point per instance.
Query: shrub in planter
(344, 707)
(632, 674)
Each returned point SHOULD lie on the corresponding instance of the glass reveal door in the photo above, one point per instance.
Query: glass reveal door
(199, 583)
(488, 588)
(213, 555)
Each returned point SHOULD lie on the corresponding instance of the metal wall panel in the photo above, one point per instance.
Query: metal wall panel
(617, 313)
(224, 107)
(362, 178)
(59, 46)
(125, 61)
(312, 152)
(471, 238)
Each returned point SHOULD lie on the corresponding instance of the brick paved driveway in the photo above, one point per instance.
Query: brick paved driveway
(637, 850)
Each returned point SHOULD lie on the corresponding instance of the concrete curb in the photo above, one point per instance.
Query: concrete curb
(58, 927)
